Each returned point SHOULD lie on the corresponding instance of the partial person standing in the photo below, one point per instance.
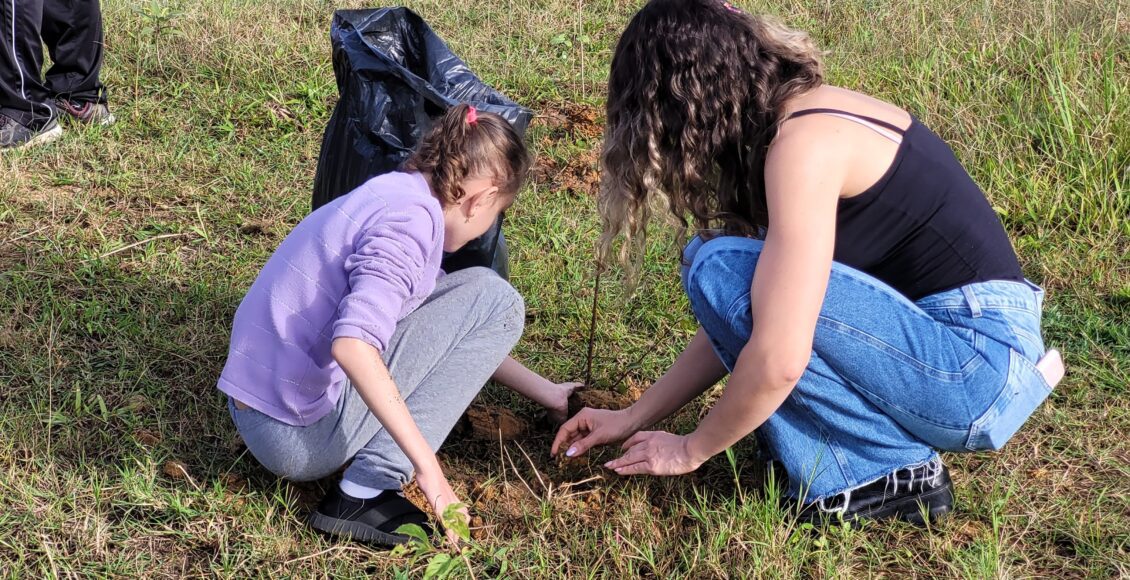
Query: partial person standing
(31, 102)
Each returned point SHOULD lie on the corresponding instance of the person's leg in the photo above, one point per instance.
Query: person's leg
(441, 356)
(884, 377)
(72, 31)
(24, 99)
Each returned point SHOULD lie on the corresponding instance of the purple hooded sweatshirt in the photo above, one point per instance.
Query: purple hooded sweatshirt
(353, 268)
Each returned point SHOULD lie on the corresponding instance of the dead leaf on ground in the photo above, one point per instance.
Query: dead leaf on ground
(175, 470)
(255, 227)
(147, 437)
(234, 482)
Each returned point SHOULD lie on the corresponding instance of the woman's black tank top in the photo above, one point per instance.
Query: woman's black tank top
(925, 227)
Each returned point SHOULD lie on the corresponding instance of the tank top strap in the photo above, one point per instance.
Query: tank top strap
(878, 125)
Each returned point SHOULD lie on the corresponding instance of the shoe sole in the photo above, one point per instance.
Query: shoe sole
(354, 531)
(41, 139)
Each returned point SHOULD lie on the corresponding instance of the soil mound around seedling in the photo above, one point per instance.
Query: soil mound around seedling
(597, 400)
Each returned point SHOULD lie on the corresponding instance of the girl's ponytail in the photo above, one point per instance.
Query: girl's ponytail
(464, 143)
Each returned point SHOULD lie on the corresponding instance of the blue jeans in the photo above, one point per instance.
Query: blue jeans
(890, 381)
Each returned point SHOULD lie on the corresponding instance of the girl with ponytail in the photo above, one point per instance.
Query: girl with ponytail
(352, 346)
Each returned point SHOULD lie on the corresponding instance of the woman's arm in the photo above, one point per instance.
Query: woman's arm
(697, 369)
(803, 183)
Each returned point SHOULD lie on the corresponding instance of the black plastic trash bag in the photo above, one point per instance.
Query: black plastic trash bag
(395, 75)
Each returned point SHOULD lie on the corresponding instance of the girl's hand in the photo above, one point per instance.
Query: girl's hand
(440, 495)
(553, 396)
(656, 453)
(556, 401)
(592, 427)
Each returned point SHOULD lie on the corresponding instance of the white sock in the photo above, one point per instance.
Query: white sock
(358, 491)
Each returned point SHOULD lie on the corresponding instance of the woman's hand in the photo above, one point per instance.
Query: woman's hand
(656, 453)
(440, 495)
(592, 427)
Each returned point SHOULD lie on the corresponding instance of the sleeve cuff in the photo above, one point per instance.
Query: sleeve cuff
(351, 331)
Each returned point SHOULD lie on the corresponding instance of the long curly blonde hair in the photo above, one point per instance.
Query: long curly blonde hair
(694, 98)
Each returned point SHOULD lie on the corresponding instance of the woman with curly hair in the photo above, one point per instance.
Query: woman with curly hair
(848, 274)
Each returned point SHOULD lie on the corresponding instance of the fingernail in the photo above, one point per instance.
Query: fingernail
(571, 452)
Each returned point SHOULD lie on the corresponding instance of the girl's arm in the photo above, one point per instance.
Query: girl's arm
(553, 396)
(369, 375)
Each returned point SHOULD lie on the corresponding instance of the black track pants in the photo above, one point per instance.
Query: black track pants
(72, 32)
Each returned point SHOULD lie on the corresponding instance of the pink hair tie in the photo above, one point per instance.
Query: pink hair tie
(472, 116)
(731, 8)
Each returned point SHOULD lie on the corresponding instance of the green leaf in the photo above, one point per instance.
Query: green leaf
(439, 566)
(415, 532)
(454, 521)
(559, 39)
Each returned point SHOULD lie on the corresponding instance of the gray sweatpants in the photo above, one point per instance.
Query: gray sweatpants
(440, 356)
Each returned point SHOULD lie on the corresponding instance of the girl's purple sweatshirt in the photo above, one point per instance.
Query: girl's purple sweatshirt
(353, 268)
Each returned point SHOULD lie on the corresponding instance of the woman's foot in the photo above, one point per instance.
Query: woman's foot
(912, 494)
(371, 521)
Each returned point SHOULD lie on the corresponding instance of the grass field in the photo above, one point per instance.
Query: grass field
(124, 253)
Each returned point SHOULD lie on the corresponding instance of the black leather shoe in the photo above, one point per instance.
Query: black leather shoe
(915, 495)
(367, 520)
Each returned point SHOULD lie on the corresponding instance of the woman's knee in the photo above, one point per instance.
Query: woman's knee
(720, 273)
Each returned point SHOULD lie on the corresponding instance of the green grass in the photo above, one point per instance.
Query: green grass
(109, 351)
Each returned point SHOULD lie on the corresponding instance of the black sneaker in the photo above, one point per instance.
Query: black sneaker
(89, 112)
(16, 136)
(367, 520)
(916, 495)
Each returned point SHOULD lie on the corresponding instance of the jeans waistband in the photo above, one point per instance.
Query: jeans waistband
(992, 294)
